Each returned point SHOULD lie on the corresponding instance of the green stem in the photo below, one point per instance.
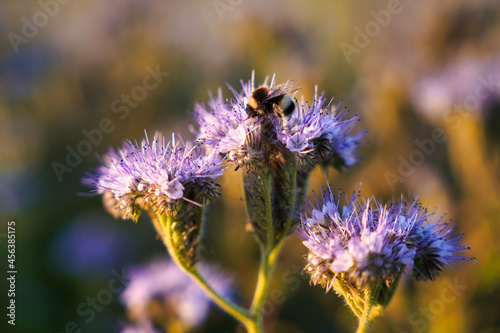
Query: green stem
(343, 289)
(270, 253)
(163, 225)
(267, 262)
(269, 212)
(370, 297)
(289, 220)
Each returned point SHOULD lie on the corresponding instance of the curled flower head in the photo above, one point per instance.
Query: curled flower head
(365, 243)
(436, 247)
(265, 121)
(155, 174)
(163, 286)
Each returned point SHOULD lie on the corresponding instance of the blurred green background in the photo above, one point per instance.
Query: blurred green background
(410, 69)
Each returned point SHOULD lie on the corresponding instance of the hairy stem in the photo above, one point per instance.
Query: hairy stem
(269, 212)
(344, 290)
(163, 225)
(266, 262)
(270, 253)
(291, 208)
(370, 296)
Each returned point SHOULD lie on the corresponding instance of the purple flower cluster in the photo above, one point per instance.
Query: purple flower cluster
(180, 297)
(365, 242)
(314, 133)
(321, 134)
(227, 129)
(159, 172)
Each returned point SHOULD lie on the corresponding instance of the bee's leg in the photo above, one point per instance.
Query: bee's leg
(278, 112)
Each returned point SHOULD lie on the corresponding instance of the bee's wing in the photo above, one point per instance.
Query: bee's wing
(281, 89)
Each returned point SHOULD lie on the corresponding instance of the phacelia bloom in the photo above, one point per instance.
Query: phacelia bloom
(227, 128)
(321, 134)
(264, 121)
(465, 84)
(176, 294)
(159, 173)
(366, 243)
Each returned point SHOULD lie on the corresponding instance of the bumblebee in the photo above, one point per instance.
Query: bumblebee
(266, 101)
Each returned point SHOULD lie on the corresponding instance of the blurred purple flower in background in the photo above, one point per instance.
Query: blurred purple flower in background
(90, 244)
(19, 190)
(22, 71)
(178, 295)
(144, 327)
(470, 84)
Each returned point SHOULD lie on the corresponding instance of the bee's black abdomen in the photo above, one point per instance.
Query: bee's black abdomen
(287, 105)
(289, 110)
